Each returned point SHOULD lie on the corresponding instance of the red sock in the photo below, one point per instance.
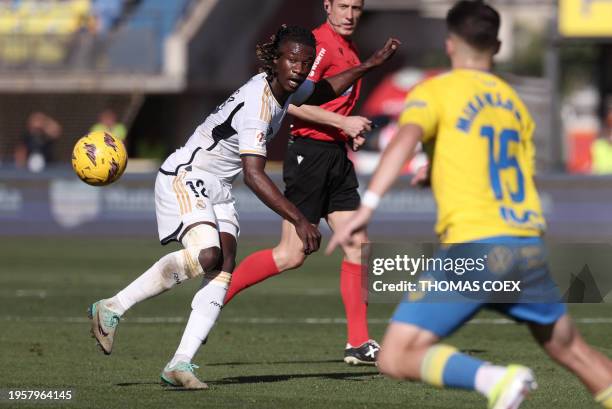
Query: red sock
(253, 269)
(355, 303)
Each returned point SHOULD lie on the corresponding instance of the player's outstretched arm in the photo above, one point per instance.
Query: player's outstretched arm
(260, 183)
(353, 125)
(332, 87)
(399, 150)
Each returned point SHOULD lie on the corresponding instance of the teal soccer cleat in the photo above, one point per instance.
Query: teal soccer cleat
(181, 375)
(104, 324)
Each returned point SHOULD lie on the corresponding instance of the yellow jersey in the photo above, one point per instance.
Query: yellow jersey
(478, 135)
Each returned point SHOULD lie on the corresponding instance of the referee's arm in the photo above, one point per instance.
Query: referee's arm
(316, 114)
(352, 126)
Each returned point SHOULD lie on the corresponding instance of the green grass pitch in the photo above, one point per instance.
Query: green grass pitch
(276, 345)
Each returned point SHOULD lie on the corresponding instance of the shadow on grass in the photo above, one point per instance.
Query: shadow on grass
(162, 386)
(474, 351)
(321, 361)
(137, 383)
(233, 380)
(346, 376)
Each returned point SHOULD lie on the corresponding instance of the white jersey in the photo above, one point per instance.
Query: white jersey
(242, 125)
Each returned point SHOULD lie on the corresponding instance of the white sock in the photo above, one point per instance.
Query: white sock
(487, 377)
(206, 307)
(178, 358)
(163, 275)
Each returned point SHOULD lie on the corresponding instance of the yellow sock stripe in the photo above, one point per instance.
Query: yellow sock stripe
(223, 278)
(605, 397)
(177, 193)
(434, 361)
(226, 277)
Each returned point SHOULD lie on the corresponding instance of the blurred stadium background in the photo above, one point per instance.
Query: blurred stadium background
(151, 70)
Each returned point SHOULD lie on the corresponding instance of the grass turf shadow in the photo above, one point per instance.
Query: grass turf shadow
(314, 361)
(346, 376)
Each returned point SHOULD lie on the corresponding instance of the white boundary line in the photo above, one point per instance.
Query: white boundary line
(271, 320)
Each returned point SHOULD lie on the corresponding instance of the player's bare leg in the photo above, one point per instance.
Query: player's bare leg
(564, 344)
(206, 307)
(352, 251)
(289, 253)
(360, 349)
(201, 249)
(410, 352)
(402, 350)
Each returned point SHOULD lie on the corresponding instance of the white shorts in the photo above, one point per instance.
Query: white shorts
(192, 196)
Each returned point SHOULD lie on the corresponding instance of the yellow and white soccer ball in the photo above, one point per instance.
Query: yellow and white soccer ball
(99, 158)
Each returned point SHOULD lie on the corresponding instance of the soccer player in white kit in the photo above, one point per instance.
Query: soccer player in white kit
(193, 191)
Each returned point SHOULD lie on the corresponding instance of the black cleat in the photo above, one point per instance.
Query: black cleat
(365, 354)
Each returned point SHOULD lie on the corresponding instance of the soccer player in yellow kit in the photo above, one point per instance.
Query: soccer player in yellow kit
(478, 133)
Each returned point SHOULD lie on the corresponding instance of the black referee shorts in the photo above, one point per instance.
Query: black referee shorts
(319, 178)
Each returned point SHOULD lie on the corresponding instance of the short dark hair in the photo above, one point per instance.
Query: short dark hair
(267, 52)
(475, 22)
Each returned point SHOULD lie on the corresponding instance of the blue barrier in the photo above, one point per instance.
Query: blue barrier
(57, 203)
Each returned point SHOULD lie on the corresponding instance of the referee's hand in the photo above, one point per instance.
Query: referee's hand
(382, 55)
(355, 125)
(310, 236)
(357, 142)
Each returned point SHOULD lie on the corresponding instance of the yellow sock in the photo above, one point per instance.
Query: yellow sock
(605, 397)
(432, 367)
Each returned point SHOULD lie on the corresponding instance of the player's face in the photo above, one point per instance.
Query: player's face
(343, 15)
(293, 65)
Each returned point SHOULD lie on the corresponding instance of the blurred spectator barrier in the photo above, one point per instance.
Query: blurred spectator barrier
(57, 203)
(40, 31)
(86, 35)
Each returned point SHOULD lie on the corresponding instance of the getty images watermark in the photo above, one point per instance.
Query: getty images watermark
(457, 266)
(522, 271)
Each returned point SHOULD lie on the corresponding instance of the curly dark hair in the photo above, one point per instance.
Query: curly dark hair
(267, 52)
